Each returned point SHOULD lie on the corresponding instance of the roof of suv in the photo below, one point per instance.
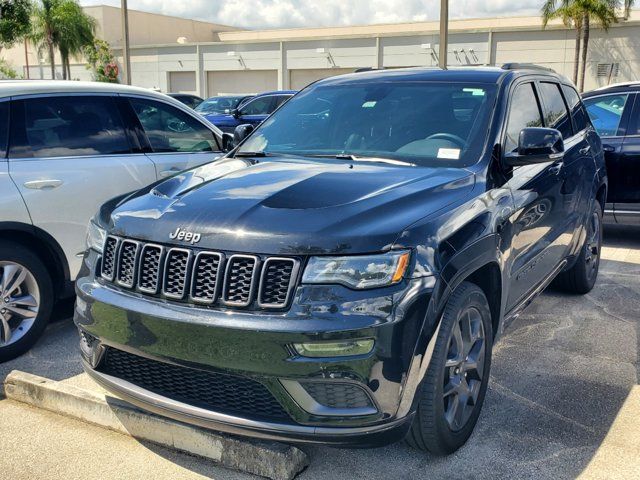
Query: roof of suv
(615, 88)
(455, 74)
(28, 87)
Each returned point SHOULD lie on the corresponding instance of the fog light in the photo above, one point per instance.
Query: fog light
(334, 349)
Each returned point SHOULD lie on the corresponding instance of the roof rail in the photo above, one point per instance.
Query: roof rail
(525, 66)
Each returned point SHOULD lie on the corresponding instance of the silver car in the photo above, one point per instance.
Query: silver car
(65, 149)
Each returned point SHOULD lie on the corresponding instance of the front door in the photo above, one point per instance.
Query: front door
(68, 155)
(538, 224)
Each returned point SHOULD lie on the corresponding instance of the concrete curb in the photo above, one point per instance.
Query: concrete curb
(268, 459)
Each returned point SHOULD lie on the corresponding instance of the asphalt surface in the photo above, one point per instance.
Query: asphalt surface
(563, 402)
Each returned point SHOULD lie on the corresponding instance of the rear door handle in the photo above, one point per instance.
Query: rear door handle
(43, 184)
(556, 168)
(585, 150)
(171, 171)
(608, 148)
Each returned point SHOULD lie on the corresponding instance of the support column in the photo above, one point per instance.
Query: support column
(283, 71)
(444, 34)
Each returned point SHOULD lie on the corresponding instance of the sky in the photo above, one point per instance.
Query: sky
(322, 13)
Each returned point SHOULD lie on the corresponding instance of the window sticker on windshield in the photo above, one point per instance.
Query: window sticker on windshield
(474, 91)
(369, 104)
(449, 153)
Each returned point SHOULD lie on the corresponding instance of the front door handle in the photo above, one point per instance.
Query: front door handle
(585, 150)
(608, 148)
(43, 184)
(556, 168)
(171, 171)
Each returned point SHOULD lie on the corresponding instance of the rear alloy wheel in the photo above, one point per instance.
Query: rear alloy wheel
(455, 384)
(582, 276)
(25, 299)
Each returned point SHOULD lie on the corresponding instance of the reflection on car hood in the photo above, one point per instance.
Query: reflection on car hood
(282, 205)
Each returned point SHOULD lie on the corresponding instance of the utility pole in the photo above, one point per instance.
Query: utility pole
(444, 34)
(126, 62)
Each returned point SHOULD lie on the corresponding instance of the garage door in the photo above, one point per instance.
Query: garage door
(301, 78)
(252, 81)
(182, 82)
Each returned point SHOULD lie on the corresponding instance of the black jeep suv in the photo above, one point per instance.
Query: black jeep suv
(341, 276)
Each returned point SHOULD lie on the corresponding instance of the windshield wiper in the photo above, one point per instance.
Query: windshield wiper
(251, 154)
(350, 156)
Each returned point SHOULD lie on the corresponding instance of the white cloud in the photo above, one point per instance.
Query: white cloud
(308, 13)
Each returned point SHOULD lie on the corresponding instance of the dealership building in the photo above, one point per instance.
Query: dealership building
(181, 55)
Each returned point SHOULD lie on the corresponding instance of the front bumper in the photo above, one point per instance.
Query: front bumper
(366, 436)
(257, 345)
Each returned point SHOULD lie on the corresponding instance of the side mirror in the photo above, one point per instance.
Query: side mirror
(536, 145)
(227, 142)
(235, 113)
(241, 132)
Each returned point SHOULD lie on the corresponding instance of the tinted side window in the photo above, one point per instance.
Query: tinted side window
(281, 99)
(555, 111)
(578, 113)
(259, 106)
(172, 130)
(523, 112)
(606, 112)
(4, 128)
(67, 126)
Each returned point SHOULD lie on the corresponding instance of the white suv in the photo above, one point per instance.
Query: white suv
(65, 149)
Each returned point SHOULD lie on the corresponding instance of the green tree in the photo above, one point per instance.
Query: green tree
(101, 61)
(62, 25)
(580, 15)
(15, 21)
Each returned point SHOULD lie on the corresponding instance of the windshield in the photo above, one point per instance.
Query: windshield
(219, 104)
(423, 123)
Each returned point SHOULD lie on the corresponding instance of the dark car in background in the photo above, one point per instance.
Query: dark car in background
(252, 112)
(341, 276)
(191, 101)
(222, 104)
(615, 113)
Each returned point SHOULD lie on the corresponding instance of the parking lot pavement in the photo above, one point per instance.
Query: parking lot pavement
(563, 400)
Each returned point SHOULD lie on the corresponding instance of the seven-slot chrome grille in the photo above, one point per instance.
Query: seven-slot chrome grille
(200, 276)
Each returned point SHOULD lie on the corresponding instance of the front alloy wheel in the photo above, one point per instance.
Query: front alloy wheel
(26, 299)
(19, 302)
(454, 387)
(464, 368)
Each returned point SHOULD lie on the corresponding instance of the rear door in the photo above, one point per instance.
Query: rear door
(68, 154)
(175, 140)
(610, 114)
(578, 163)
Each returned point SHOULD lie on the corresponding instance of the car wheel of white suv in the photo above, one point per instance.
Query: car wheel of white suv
(26, 299)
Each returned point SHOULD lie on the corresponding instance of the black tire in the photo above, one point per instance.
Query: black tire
(15, 253)
(582, 276)
(431, 431)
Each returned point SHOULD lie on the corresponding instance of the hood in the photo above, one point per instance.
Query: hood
(286, 206)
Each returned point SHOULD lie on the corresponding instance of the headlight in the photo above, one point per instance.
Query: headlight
(95, 237)
(358, 271)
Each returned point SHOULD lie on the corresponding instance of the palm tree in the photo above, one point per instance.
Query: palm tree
(580, 14)
(62, 25)
(43, 33)
(571, 16)
(75, 31)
